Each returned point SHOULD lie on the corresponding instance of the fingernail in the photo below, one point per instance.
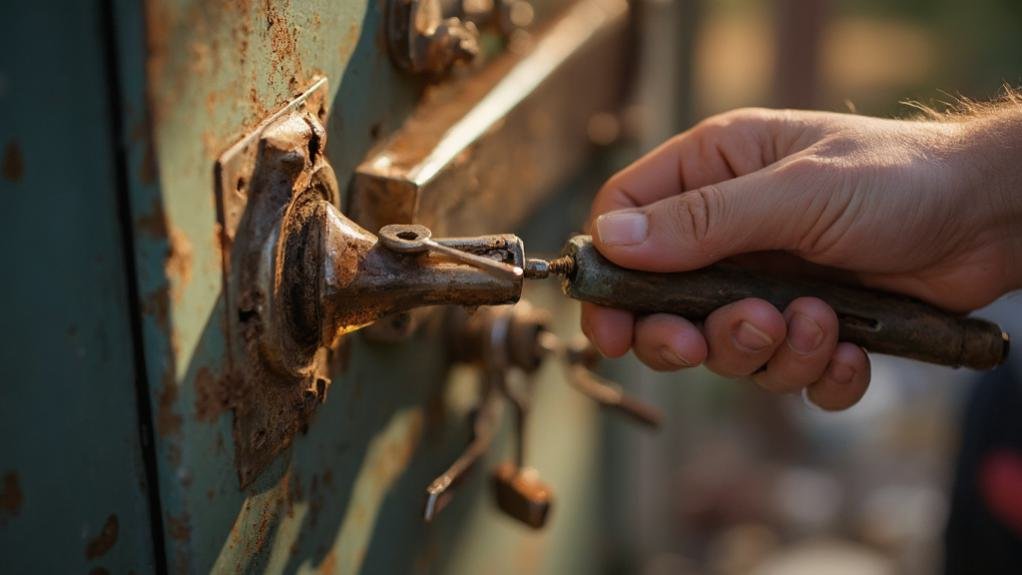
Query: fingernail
(751, 338)
(622, 228)
(804, 334)
(840, 373)
(672, 357)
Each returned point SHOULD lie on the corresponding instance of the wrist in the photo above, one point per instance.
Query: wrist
(987, 168)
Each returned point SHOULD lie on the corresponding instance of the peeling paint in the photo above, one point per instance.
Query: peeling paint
(212, 395)
(179, 262)
(168, 421)
(179, 527)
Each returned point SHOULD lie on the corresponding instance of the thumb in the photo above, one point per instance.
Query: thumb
(699, 227)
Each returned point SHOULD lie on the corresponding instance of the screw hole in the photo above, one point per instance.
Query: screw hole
(245, 315)
(240, 185)
(408, 235)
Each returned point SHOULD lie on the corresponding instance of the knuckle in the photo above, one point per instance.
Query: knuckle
(692, 215)
(734, 119)
(804, 168)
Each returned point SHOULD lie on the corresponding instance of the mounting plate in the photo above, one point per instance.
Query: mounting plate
(257, 180)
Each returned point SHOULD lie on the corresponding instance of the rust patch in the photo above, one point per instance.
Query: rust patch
(221, 245)
(153, 223)
(11, 497)
(179, 262)
(200, 58)
(179, 528)
(212, 395)
(283, 44)
(98, 546)
(14, 162)
(258, 110)
(209, 402)
(329, 564)
(156, 306)
(348, 43)
(168, 421)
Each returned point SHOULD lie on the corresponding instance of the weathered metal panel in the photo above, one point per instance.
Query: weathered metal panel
(72, 478)
(347, 496)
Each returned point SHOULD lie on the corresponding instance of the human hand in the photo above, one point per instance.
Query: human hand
(927, 209)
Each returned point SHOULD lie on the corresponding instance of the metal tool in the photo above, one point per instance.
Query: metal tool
(878, 321)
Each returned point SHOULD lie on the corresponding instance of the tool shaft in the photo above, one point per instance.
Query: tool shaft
(878, 321)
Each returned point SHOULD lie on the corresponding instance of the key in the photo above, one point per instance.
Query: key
(413, 238)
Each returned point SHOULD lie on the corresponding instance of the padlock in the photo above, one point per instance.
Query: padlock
(520, 494)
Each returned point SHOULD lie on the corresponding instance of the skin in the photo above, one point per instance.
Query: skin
(931, 209)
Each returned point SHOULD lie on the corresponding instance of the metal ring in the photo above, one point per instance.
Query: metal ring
(405, 238)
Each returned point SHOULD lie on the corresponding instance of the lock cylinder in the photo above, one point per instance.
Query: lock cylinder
(330, 276)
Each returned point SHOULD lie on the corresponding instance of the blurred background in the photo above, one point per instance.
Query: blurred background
(740, 481)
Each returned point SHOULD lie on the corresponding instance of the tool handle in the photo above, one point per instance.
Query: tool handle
(878, 321)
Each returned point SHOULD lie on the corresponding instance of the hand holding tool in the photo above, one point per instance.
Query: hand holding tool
(879, 322)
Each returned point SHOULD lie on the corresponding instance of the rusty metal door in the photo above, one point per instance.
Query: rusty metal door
(185, 458)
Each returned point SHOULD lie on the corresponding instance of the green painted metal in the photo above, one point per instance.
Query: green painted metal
(347, 497)
(72, 477)
(109, 136)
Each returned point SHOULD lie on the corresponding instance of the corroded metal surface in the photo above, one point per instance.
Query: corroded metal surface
(273, 382)
(480, 153)
(73, 484)
(422, 41)
(299, 275)
(196, 77)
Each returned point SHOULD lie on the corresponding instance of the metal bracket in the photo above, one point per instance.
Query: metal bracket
(483, 152)
(257, 180)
